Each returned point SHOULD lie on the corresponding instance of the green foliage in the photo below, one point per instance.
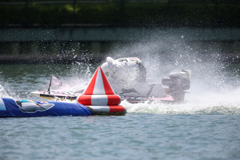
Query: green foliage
(159, 14)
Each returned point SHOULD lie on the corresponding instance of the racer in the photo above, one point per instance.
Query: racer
(124, 71)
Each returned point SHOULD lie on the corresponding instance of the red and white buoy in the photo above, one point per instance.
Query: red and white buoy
(100, 98)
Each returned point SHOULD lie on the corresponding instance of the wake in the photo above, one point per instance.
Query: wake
(211, 103)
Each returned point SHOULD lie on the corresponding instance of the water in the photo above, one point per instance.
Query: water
(134, 136)
(205, 126)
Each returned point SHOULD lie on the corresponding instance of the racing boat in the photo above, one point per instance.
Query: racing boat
(127, 77)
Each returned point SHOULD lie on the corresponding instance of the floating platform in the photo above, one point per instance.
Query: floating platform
(23, 108)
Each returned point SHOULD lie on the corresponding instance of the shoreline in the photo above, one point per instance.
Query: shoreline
(93, 59)
(49, 59)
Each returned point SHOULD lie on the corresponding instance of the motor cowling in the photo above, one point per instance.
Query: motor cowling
(177, 83)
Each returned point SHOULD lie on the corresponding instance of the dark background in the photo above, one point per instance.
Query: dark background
(35, 19)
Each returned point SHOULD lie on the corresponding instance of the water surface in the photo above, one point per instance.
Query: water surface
(205, 126)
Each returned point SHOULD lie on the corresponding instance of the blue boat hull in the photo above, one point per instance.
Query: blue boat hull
(20, 108)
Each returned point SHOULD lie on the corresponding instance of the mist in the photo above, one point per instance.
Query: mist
(215, 85)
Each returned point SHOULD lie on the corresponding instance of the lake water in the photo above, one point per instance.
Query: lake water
(205, 126)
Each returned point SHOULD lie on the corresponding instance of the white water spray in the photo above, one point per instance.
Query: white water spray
(215, 88)
(3, 92)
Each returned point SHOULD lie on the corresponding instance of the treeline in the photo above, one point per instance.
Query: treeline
(209, 13)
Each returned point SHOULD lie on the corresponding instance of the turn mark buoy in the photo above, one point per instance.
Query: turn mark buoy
(100, 98)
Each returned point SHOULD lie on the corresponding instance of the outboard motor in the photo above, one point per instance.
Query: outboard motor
(177, 84)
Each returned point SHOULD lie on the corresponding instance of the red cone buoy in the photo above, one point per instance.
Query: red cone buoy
(99, 96)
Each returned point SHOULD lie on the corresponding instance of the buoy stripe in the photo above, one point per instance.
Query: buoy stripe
(114, 109)
(102, 109)
(108, 89)
(99, 86)
(99, 100)
(107, 110)
(113, 100)
(84, 99)
(91, 85)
